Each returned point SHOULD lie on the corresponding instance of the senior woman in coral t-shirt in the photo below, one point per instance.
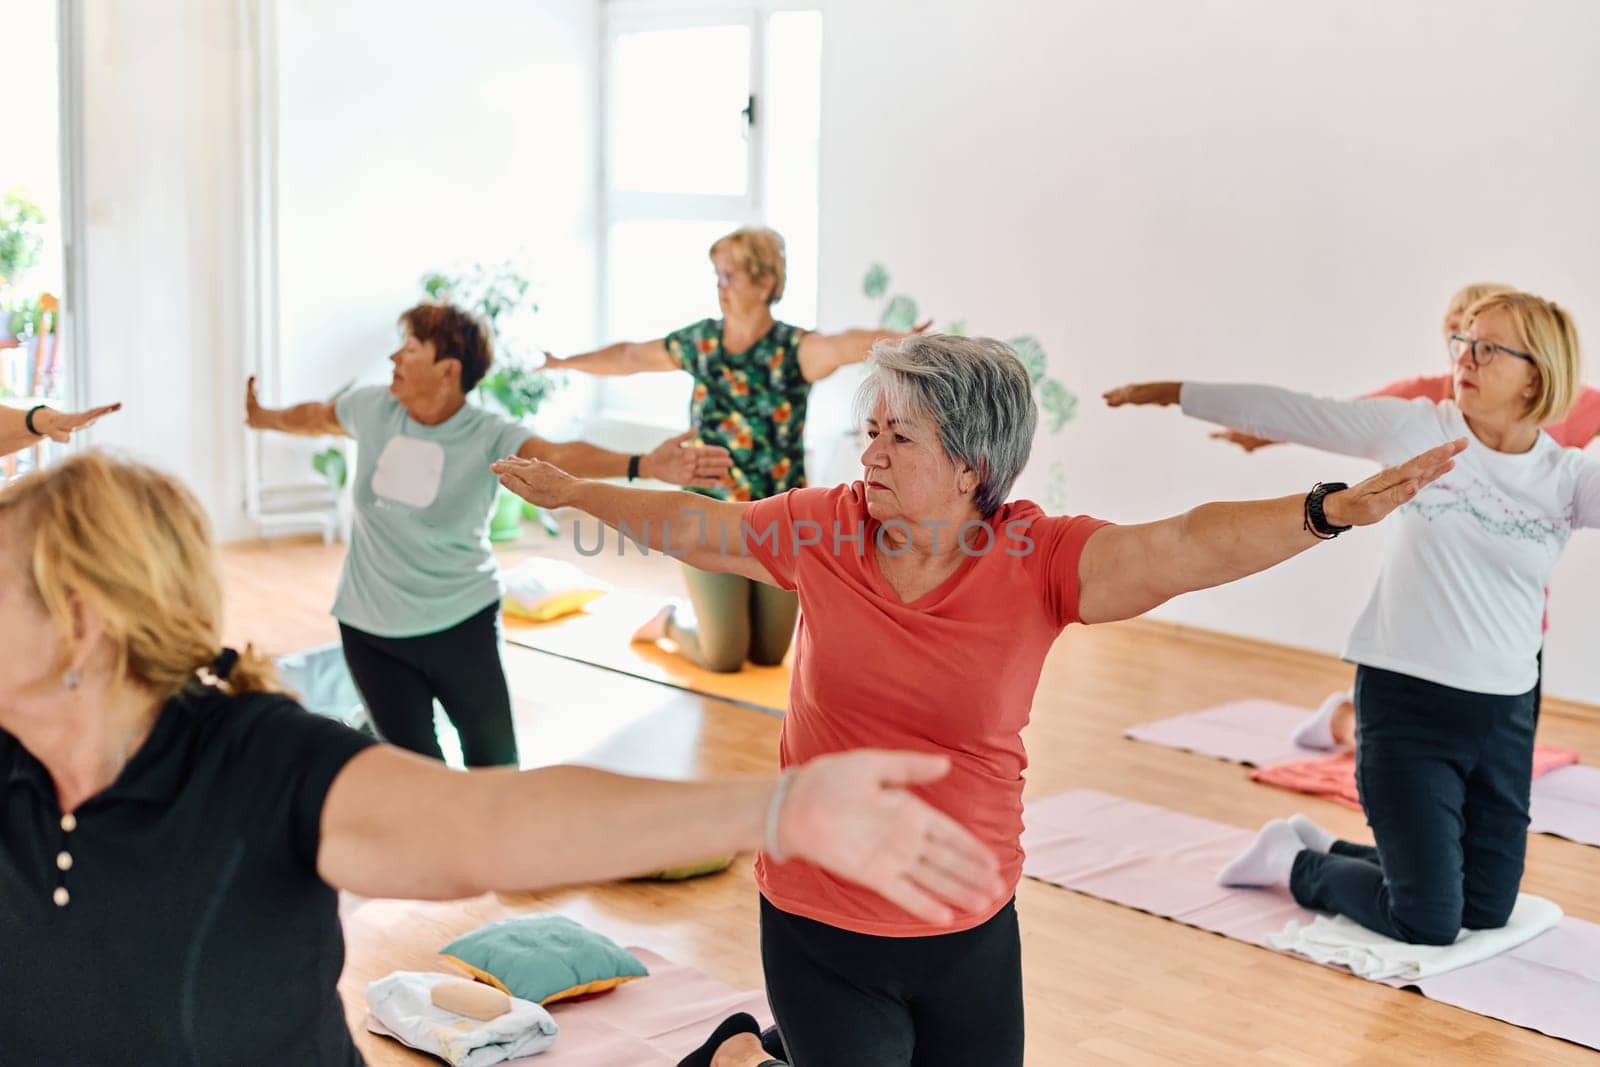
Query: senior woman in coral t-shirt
(927, 606)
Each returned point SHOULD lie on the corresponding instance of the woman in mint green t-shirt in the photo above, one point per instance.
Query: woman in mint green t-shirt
(419, 596)
(752, 377)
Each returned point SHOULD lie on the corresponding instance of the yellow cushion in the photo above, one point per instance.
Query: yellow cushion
(553, 606)
(693, 870)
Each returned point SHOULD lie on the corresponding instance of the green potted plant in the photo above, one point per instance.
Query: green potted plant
(500, 293)
(21, 241)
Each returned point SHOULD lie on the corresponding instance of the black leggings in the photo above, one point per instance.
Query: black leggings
(950, 1000)
(400, 677)
(1444, 775)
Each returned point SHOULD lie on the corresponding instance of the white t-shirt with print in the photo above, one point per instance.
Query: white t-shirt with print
(1460, 598)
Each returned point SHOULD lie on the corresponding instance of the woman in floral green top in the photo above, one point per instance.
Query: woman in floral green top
(752, 375)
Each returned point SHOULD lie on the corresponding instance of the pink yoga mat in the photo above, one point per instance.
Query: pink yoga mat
(1252, 732)
(1165, 862)
(1565, 801)
(655, 1020)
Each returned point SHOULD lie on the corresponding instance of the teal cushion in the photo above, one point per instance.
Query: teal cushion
(544, 958)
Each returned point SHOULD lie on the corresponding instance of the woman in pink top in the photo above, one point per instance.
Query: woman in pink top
(927, 606)
(1334, 724)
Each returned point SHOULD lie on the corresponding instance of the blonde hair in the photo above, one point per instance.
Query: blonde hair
(133, 544)
(1468, 295)
(1547, 333)
(760, 255)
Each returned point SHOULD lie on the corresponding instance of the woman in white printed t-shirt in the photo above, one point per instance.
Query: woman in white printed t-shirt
(1445, 649)
(419, 596)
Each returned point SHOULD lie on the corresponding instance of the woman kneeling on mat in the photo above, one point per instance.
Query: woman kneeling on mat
(419, 597)
(752, 380)
(928, 604)
(1334, 724)
(174, 830)
(1445, 649)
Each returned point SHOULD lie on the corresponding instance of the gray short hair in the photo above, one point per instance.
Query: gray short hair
(975, 391)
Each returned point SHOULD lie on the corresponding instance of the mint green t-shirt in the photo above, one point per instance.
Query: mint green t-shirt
(419, 559)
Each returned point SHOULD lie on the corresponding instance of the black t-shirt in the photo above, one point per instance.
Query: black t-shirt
(177, 916)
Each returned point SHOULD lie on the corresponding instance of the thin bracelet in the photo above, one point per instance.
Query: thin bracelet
(28, 421)
(1307, 525)
(779, 792)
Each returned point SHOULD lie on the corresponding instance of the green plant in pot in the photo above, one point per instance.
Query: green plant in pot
(500, 293)
(21, 241)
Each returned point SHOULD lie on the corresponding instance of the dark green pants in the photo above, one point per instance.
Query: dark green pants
(736, 619)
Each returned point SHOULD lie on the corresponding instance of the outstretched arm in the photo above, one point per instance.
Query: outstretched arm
(1433, 387)
(47, 422)
(1371, 428)
(704, 533)
(823, 353)
(315, 419)
(1127, 570)
(397, 825)
(674, 460)
(624, 357)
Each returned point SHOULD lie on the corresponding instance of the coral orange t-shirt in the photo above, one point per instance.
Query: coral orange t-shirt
(951, 672)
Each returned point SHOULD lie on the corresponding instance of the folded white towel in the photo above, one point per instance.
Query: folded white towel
(1336, 939)
(402, 1002)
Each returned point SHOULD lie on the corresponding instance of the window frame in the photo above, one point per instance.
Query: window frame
(621, 17)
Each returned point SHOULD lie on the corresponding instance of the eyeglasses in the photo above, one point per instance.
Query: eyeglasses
(1483, 352)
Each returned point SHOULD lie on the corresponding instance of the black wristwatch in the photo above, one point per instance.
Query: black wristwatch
(633, 467)
(28, 421)
(1316, 520)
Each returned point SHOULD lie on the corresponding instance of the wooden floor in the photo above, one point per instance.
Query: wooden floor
(1103, 984)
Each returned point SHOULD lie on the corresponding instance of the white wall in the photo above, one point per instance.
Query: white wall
(1248, 190)
(413, 136)
(166, 249)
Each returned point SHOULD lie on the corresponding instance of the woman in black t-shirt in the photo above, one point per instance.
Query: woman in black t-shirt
(172, 831)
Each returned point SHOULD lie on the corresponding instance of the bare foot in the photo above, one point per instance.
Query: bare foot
(740, 1050)
(1343, 723)
(656, 628)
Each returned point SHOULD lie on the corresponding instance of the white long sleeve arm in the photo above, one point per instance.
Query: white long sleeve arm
(1378, 428)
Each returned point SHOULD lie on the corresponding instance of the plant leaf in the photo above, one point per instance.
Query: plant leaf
(876, 283)
(899, 314)
(330, 464)
(1055, 494)
(1059, 404)
(1031, 352)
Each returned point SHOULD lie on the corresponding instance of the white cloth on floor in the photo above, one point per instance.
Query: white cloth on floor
(403, 1003)
(1336, 939)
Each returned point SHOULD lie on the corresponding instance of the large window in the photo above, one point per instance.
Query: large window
(33, 367)
(711, 122)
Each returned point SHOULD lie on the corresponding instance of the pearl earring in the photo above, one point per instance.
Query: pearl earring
(72, 679)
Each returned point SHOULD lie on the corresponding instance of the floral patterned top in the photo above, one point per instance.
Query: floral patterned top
(753, 404)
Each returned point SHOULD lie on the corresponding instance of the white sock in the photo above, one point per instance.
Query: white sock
(1317, 731)
(1268, 860)
(1311, 835)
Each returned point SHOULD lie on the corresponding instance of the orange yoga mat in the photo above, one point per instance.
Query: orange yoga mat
(599, 635)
